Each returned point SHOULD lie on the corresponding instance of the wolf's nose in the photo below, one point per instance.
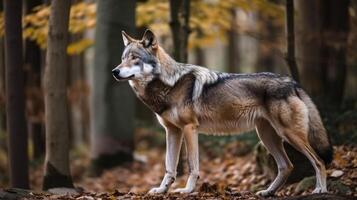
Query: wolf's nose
(116, 73)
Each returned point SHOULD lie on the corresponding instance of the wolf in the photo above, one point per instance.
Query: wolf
(189, 99)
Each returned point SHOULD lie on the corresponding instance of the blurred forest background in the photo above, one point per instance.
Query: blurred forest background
(65, 122)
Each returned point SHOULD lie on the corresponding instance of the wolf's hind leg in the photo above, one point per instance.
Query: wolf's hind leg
(174, 138)
(295, 131)
(274, 144)
(301, 144)
(191, 141)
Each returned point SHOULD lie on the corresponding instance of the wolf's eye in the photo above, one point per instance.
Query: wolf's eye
(134, 57)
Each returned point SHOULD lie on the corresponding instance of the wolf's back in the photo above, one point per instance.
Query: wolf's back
(318, 137)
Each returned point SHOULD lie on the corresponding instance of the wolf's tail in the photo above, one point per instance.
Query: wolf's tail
(318, 137)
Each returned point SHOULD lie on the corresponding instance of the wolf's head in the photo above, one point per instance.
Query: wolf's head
(139, 59)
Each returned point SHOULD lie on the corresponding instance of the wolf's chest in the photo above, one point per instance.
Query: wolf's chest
(159, 96)
(154, 94)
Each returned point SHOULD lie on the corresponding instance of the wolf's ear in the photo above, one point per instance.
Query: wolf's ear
(126, 38)
(149, 39)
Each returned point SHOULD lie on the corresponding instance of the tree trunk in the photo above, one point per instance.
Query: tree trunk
(77, 95)
(322, 31)
(233, 53)
(179, 24)
(199, 53)
(34, 95)
(308, 45)
(2, 94)
(112, 103)
(200, 56)
(57, 172)
(2, 88)
(15, 96)
(267, 58)
(335, 28)
(290, 39)
(37, 133)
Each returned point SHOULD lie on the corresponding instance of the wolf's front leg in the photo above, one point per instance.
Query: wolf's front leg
(191, 141)
(173, 145)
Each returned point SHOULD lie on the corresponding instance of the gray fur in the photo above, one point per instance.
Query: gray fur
(188, 99)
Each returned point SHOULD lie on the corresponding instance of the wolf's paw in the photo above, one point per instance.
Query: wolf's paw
(183, 190)
(265, 193)
(319, 190)
(158, 190)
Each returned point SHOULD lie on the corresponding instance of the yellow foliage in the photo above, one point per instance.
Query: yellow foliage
(209, 20)
(35, 25)
(79, 46)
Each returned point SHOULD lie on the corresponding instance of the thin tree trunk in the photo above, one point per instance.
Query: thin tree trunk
(200, 56)
(35, 106)
(232, 45)
(38, 140)
(266, 59)
(179, 24)
(199, 53)
(2, 87)
(290, 36)
(15, 97)
(77, 98)
(2, 94)
(57, 172)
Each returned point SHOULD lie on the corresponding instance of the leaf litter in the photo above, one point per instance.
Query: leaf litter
(221, 177)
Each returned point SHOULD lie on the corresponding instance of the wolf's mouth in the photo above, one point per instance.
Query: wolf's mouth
(118, 78)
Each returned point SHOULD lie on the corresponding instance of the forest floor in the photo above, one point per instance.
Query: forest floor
(225, 176)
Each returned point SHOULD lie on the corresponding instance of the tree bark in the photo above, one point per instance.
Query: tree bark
(335, 28)
(15, 96)
(233, 53)
(290, 39)
(34, 103)
(57, 172)
(322, 31)
(266, 56)
(2, 94)
(200, 56)
(112, 103)
(179, 24)
(308, 45)
(77, 96)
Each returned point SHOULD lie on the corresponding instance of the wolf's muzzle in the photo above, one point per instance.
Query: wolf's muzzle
(116, 73)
